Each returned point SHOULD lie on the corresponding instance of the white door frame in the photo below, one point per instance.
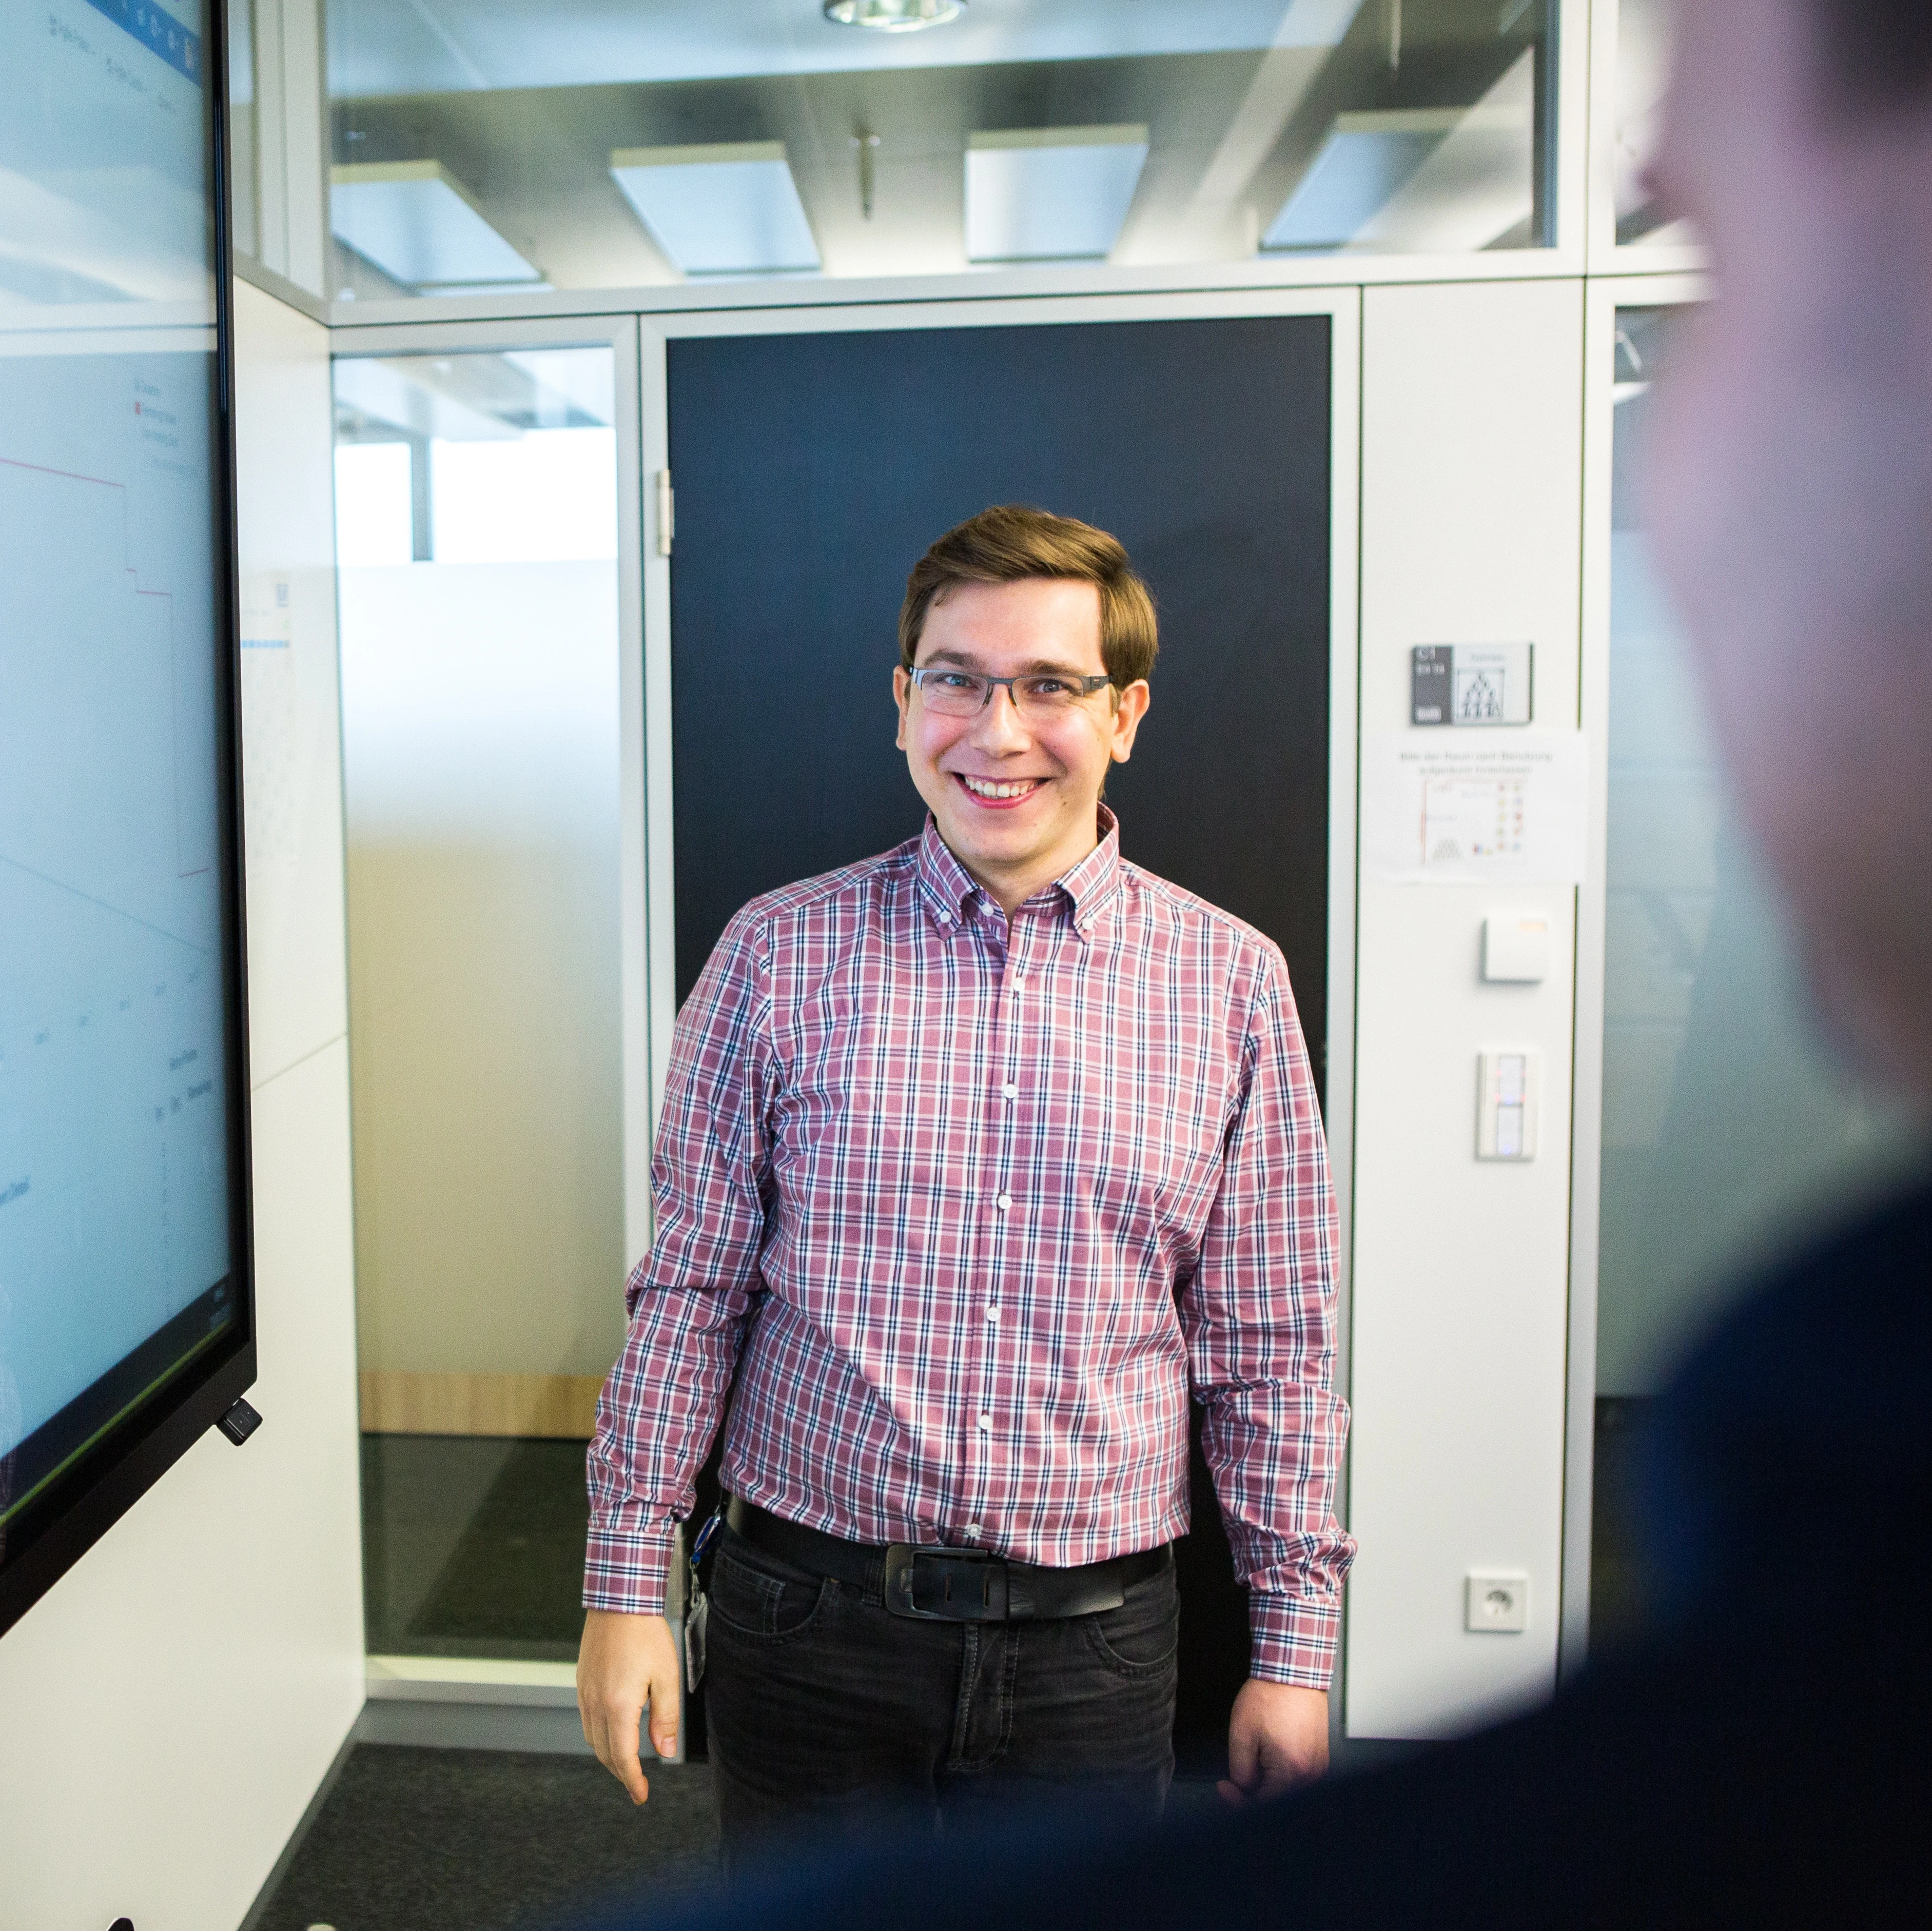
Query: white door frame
(640, 341)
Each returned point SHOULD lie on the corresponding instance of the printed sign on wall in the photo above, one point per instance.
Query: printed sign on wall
(1478, 684)
(1439, 812)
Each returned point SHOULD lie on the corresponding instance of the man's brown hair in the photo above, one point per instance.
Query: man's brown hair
(1012, 541)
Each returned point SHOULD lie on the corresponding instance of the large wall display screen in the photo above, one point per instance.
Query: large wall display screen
(125, 1314)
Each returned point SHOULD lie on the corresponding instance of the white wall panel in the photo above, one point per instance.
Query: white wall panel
(168, 1709)
(292, 746)
(1471, 516)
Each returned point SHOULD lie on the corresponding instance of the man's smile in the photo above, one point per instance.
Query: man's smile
(998, 790)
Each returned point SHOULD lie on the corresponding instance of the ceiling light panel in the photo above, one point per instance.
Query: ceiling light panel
(730, 209)
(1037, 194)
(413, 221)
(1365, 159)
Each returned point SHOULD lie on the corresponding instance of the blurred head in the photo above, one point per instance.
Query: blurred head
(1792, 472)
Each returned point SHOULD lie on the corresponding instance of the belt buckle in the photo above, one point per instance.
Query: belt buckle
(934, 1584)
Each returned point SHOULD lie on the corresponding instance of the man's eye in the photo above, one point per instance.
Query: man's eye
(954, 680)
(1051, 689)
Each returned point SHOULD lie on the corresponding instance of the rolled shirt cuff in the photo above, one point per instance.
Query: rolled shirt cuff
(1292, 1638)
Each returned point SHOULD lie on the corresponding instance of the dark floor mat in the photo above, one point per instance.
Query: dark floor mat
(492, 1840)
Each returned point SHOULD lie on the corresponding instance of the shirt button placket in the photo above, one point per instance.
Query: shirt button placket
(1003, 1204)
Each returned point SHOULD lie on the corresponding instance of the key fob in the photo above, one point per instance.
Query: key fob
(693, 1640)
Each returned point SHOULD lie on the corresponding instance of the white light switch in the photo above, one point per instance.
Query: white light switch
(1516, 950)
(1495, 1602)
(1509, 1090)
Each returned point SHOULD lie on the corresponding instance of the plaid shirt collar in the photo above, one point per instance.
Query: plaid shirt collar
(1086, 891)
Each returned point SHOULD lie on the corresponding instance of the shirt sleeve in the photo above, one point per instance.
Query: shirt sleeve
(691, 1298)
(1259, 1315)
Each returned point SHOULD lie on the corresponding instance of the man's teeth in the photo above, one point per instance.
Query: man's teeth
(985, 787)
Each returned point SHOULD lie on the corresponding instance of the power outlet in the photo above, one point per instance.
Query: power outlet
(1496, 1602)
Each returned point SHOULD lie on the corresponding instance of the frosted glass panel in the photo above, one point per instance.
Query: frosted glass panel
(477, 509)
(1728, 1129)
(1725, 1123)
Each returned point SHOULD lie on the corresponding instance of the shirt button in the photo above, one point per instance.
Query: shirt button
(1011, 1091)
(973, 1532)
(992, 1313)
(986, 1421)
(1018, 975)
(1005, 1200)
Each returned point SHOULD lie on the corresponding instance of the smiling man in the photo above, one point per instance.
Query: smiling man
(977, 1158)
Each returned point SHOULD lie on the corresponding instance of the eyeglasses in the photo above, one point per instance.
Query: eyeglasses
(964, 694)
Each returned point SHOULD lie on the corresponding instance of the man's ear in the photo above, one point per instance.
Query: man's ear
(1130, 705)
(901, 691)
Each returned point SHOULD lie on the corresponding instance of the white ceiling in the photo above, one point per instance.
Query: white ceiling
(420, 46)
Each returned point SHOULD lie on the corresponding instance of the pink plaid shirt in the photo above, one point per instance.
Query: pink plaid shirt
(967, 1204)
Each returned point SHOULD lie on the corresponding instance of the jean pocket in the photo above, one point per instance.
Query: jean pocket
(1142, 1637)
(752, 1594)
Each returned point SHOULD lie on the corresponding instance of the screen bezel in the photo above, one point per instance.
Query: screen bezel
(86, 1499)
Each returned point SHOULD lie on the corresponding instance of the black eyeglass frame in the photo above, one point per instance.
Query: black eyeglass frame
(1086, 686)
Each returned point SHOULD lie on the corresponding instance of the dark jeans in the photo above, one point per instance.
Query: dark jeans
(828, 1714)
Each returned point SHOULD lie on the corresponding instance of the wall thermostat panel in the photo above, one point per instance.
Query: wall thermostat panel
(1510, 1093)
(1516, 949)
(1472, 684)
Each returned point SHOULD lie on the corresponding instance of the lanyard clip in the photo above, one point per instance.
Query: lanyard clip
(705, 1537)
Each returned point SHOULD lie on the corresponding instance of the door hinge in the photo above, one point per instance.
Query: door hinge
(666, 512)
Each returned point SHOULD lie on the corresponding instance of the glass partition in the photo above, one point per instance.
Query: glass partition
(1727, 1129)
(243, 209)
(477, 530)
(499, 145)
(1643, 72)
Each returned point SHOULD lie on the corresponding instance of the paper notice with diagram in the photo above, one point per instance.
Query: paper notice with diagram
(1437, 810)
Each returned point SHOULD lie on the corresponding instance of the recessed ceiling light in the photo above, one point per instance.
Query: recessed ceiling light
(893, 16)
(720, 210)
(417, 224)
(1043, 194)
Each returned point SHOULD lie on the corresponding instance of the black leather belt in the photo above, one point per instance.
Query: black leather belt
(948, 1585)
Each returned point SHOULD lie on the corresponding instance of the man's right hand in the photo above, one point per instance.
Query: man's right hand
(625, 1665)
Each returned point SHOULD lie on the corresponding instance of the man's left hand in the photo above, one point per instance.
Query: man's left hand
(1277, 1737)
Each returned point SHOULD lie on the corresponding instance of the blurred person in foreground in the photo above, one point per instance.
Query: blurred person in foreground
(1763, 1757)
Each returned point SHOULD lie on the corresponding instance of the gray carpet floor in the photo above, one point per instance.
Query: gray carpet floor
(491, 1840)
(417, 1839)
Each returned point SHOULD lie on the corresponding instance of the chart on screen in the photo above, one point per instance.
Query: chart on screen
(113, 1127)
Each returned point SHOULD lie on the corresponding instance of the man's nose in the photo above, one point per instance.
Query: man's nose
(999, 726)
